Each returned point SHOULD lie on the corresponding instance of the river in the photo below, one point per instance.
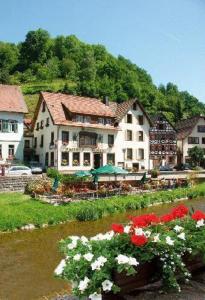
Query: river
(27, 259)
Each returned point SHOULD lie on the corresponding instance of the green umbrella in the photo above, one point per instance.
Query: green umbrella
(82, 173)
(109, 169)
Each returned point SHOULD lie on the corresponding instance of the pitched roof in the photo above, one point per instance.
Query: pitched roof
(59, 105)
(155, 117)
(11, 99)
(185, 127)
(122, 109)
(76, 104)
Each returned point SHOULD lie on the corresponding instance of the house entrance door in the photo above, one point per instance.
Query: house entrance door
(98, 160)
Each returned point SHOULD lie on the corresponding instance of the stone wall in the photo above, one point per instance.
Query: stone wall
(15, 183)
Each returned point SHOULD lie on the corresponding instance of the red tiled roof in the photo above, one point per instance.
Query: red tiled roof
(75, 104)
(11, 99)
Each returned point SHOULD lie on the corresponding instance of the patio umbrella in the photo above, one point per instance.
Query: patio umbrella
(82, 173)
(109, 169)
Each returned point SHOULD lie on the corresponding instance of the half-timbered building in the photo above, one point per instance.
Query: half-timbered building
(163, 142)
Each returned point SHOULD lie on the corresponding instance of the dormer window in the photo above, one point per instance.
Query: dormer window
(108, 121)
(100, 121)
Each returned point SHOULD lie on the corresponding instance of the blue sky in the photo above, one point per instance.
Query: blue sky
(165, 37)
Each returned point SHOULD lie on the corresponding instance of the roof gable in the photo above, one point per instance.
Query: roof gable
(122, 109)
(185, 127)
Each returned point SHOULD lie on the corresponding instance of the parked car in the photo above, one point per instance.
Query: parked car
(183, 167)
(166, 168)
(36, 167)
(19, 170)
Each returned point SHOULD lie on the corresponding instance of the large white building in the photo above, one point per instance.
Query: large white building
(132, 140)
(12, 110)
(191, 132)
(79, 133)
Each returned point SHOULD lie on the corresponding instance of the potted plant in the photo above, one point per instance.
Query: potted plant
(132, 255)
(154, 173)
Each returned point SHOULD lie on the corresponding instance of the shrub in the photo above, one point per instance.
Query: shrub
(154, 173)
(53, 173)
(38, 186)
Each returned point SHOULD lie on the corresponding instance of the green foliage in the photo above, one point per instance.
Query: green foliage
(17, 210)
(53, 173)
(68, 65)
(196, 155)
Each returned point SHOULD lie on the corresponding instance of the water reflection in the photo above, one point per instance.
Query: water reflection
(27, 259)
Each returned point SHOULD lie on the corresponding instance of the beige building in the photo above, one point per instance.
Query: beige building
(191, 132)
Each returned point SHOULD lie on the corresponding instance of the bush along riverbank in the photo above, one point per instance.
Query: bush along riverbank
(167, 247)
(19, 211)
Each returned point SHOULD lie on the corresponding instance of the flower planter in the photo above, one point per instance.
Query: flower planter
(147, 273)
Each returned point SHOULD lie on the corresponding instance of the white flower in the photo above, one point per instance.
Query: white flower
(147, 233)
(72, 245)
(181, 236)
(102, 259)
(156, 238)
(127, 229)
(122, 259)
(84, 240)
(133, 261)
(99, 237)
(107, 285)
(77, 257)
(178, 228)
(95, 296)
(109, 235)
(139, 231)
(74, 237)
(200, 223)
(169, 241)
(60, 267)
(98, 263)
(83, 284)
(88, 256)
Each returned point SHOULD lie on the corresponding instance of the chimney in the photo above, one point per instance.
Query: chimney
(106, 100)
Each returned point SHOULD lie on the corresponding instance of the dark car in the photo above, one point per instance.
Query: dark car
(166, 168)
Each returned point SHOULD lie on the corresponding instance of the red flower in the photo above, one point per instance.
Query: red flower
(167, 218)
(180, 211)
(198, 215)
(144, 220)
(117, 228)
(139, 240)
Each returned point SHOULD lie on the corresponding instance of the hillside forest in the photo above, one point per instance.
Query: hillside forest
(68, 65)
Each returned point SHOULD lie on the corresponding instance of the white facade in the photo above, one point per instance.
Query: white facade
(112, 145)
(133, 140)
(195, 138)
(11, 136)
(62, 155)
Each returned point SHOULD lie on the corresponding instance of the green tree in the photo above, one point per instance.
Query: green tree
(196, 155)
(35, 49)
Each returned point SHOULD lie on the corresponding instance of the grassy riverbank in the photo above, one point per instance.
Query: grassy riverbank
(17, 210)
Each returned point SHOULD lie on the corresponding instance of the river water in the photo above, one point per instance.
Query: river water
(27, 259)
